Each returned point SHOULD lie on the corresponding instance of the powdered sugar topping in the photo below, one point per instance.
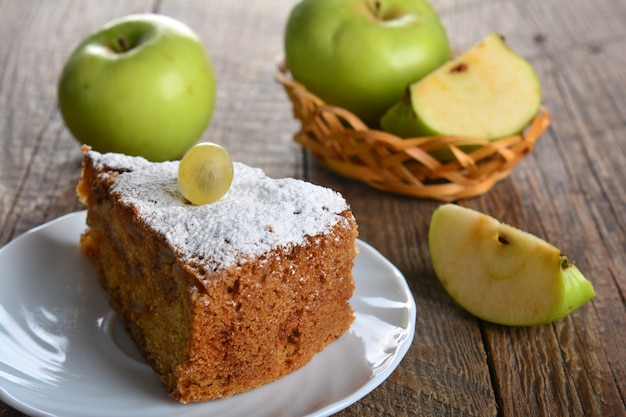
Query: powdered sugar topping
(257, 215)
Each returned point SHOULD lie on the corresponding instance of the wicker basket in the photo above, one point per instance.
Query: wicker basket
(340, 141)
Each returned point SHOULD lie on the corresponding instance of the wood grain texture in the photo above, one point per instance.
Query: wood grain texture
(571, 190)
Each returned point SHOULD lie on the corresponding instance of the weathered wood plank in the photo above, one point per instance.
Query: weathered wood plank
(571, 190)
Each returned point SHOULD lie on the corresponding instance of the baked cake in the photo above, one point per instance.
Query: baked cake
(224, 297)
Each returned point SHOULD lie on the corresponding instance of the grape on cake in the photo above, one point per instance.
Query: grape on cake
(223, 297)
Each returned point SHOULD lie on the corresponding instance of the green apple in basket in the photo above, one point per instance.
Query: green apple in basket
(362, 54)
(502, 274)
(488, 92)
(141, 85)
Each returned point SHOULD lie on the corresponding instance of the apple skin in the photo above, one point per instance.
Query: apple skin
(141, 85)
(502, 274)
(362, 54)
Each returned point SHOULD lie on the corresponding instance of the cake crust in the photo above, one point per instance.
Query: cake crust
(230, 307)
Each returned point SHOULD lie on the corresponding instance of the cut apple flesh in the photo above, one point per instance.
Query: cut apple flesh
(489, 92)
(502, 274)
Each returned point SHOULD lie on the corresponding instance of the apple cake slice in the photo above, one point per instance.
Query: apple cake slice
(223, 297)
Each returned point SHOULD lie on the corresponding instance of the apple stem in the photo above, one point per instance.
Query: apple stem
(122, 44)
(565, 262)
(377, 8)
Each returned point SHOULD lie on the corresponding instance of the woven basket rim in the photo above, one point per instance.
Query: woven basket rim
(343, 143)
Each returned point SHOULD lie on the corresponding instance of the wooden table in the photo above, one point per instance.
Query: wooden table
(571, 190)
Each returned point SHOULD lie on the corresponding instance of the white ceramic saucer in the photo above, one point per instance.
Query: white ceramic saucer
(64, 353)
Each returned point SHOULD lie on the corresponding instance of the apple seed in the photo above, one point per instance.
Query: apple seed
(502, 239)
(462, 67)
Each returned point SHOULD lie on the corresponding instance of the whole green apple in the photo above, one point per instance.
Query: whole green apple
(362, 54)
(141, 85)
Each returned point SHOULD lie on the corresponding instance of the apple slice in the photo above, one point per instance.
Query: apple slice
(488, 92)
(502, 274)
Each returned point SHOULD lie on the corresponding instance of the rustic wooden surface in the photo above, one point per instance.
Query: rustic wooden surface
(571, 190)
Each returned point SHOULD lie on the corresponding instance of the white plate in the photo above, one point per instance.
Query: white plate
(63, 352)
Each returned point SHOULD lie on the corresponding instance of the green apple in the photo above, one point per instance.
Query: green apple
(141, 85)
(362, 54)
(488, 92)
(502, 274)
